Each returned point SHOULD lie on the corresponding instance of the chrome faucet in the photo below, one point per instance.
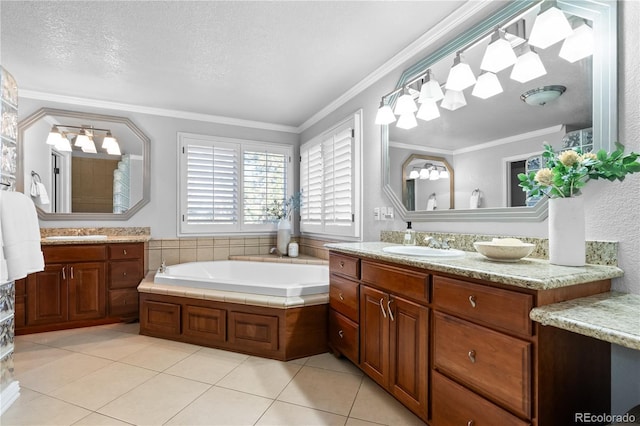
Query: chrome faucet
(163, 267)
(274, 250)
(440, 243)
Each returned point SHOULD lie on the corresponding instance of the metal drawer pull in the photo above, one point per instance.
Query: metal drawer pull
(124, 252)
(342, 264)
(470, 423)
(472, 356)
(72, 272)
(472, 300)
(124, 274)
(341, 334)
(389, 309)
(341, 296)
(384, 314)
(64, 276)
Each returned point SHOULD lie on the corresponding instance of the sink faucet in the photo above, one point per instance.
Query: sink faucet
(439, 243)
(274, 250)
(163, 267)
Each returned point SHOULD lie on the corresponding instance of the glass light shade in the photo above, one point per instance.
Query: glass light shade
(108, 141)
(550, 27)
(487, 86)
(430, 90)
(428, 110)
(528, 67)
(444, 174)
(54, 136)
(82, 139)
(385, 115)
(405, 105)
(578, 45)
(453, 100)
(434, 174)
(414, 174)
(460, 76)
(63, 145)
(114, 149)
(89, 147)
(424, 173)
(407, 121)
(498, 56)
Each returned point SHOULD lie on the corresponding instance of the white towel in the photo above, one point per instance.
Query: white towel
(431, 204)
(474, 201)
(20, 235)
(42, 193)
(4, 275)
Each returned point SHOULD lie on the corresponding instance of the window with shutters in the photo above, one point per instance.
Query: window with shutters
(226, 184)
(330, 181)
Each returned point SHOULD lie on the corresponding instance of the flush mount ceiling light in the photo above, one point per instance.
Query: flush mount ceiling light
(83, 139)
(428, 110)
(385, 114)
(542, 95)
(550, 27)
(487, 86)
(578, 45)
(528, 67)
(407, 121)
(405, 103)
(430, 89)
(453, 100)
(460, 75)
(499, 54)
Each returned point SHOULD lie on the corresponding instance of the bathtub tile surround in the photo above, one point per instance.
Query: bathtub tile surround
(598, 252)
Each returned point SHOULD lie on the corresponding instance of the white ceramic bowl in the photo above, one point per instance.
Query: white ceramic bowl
(503, 252)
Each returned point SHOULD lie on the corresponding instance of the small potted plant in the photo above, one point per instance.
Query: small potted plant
(281, 211)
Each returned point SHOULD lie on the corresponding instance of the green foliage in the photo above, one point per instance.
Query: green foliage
(566, 173)
(283, 209)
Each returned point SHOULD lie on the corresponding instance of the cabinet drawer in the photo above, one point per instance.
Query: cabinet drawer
(75, 253)
(345, 265)
(126, 251)
(412, 284)
(496, 365)
(125, 274)
(503, 309)
(343, 335)
(344, 297)
(454, 405)
(123, 302)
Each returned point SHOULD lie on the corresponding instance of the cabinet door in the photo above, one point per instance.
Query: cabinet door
(47, 295)
(374, 334)
(408, 380)
(87, 291)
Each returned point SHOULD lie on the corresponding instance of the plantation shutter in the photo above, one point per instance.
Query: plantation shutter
(338, 182)
(265, 181)
(211, 184)
(311, 179)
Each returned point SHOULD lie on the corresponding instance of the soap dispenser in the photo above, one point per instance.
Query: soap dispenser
(409, 236)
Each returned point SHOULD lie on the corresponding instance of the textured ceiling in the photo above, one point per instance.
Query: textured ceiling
(271, 61)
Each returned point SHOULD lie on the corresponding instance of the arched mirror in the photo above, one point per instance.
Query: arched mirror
(490, 135)
(81, 166)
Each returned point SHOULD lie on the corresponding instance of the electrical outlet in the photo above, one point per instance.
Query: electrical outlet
(376, 213)
(383, 213)
(389, 213)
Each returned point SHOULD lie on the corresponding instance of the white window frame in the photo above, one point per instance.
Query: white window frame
(323, 228)
(241, 145)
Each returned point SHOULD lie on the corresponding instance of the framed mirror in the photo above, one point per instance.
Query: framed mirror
(71, 181)
(490, 139)
(427, 182)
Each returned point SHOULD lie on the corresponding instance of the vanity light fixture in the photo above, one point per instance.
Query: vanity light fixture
(415, 174)
(434, 174)
(407, 121)
(385, 114)
(550, 26)
(579, 44)
(542, 95)
(83, 139)
(428, 110)
(430, 89)
(453, 100)
(528, 67)
(487, 86)
(444, 173)
(499, 54)
(54, 136)
(405, 104)
(64, 145)
(460, 75)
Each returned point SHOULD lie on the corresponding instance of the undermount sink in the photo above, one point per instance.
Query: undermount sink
(76, 237)
(423, 251)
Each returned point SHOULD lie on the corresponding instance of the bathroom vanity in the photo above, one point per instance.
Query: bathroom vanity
(85, 282)
(452, 340)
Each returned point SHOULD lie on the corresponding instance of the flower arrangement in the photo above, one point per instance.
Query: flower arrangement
(569, 171)
(283, 209)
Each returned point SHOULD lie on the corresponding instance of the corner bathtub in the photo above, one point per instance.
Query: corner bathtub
(273, 310)
(265, 278)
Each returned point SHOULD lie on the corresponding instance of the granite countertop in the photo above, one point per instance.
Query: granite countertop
(529, 273)
(125, 234)
(612, 317)
(109, 240)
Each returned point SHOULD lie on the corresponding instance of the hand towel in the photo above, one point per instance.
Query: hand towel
(474, 201)
(20, 235)
(42, 193)
(431, 204)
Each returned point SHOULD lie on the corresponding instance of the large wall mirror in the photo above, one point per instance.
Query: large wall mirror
(71, 181)
(488, 140)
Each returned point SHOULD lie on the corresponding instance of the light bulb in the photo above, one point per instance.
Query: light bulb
(424, 173)
(434, 174)
(82, 139)
(414, 174)
(444, 174)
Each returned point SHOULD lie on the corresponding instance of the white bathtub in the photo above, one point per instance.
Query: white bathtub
(265, 278)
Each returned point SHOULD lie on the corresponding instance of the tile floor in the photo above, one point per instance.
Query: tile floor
(110, 375)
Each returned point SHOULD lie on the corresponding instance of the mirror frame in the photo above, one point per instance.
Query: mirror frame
(428, 158)
(605, 104)
(25, 124)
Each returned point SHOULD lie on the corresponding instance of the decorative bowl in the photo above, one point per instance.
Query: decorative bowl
(504, 250)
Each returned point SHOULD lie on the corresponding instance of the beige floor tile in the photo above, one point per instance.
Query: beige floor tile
(329, 362)
(43, 410)
(95, 419)
(62, 338)
(155, 357)
(281, 413)
(219, 406)
(259, 376)
(207, 365)
(29, 355)
(375, 405)
(322, 389)
(103, 386)
(132, 327)
(301, 361)
(357, 422)
(114, 345)
(56, 374)
(155, 401)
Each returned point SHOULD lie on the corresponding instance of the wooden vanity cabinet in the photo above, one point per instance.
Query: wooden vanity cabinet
(344, 313)
(125, 271)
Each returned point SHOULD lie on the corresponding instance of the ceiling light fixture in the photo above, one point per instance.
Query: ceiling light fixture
(487, 86)
(528, 67)
(579, 44)
(453, 100)
(460, 75)
(550, 27)
(542, 95)
(499, 54)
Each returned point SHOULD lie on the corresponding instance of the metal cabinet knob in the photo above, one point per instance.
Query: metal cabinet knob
(124, 274)
(124, 252)
(472, 356)
(472, 300)
(341, 334)
(470, 423)
(342, 264)
(341, 296)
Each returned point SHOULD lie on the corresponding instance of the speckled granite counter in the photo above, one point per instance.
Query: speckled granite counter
(529, 273)
(114, 235)
(110, 239)
(613, 317)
